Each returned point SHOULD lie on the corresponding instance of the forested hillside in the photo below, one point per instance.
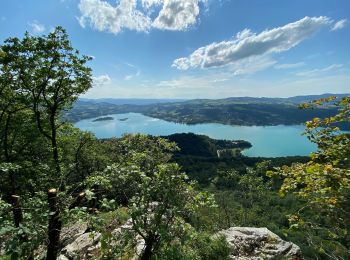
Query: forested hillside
(176, 192)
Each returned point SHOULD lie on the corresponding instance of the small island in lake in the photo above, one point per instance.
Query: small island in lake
(123, 119)
(106, 118)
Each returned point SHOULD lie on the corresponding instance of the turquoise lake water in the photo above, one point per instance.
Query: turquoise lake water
(267, 141)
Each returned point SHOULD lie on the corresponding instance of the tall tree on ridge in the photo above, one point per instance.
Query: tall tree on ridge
(50, 75)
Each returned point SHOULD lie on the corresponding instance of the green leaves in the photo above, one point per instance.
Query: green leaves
(324, 182)
(6, 167)
(157, 192)
(40, 76)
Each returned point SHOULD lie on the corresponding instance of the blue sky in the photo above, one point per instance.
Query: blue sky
(199, 48)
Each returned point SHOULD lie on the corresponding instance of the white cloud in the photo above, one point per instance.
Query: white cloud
(290, 65)
(128, 77)
(211, 84)
(195, 83)
(130, 65)
(132, 75)
(181, 64)
(174, 14)
(339, 25)
(208, 87)
(101, 80)
(104, 17)
(251, 65)
(247, 44)
(307, 73)
(36, 26)
(150, 3)
(177, 15)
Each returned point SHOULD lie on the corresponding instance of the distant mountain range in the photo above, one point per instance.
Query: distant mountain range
(242, 100)
(267, 100)
(128, 101)
(231, 111)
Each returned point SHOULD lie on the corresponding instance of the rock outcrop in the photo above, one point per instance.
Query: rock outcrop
(79, 243)
(245, 243)
(259, 243)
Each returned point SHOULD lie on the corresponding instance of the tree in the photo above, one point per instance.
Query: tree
(324, 182)
(40, 77)
(48, 75)
(161, 206)
(160, 198)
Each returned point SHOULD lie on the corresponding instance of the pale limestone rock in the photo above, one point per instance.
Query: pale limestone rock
(70, 233)
(84, 243)
(245, 243)
(259, 243)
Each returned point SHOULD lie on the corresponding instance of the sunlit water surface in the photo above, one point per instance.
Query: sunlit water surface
(267, 141)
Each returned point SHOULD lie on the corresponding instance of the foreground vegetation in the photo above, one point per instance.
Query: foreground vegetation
(54, 175)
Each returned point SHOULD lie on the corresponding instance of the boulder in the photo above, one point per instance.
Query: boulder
(259, 243)
(72, 232)
(81, 246)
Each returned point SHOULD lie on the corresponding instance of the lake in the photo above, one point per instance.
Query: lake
(267, 141)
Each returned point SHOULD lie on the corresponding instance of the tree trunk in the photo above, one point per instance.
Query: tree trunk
(54, 145)
(78, 200)
(6, 133)
(7, 154)
(55, 155)
(12, 182)
(55, 226)
(18, 219)
(148, 252)
(17, 210)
